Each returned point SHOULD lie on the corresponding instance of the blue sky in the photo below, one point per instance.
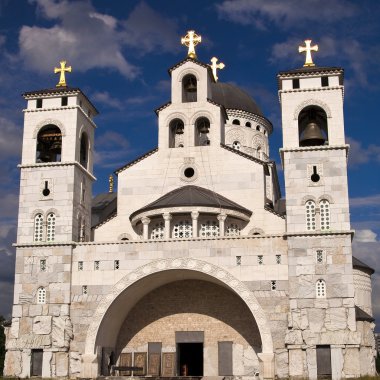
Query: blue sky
(120, 52)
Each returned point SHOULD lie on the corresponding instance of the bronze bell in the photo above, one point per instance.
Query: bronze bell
(56, 147)
(204, 126)
(179, 128)
(312, 135)
(191, 84)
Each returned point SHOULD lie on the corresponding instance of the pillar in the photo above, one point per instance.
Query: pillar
(194, 217)
(167, 218)
(266, 366)
(145, 221)
(221, 217)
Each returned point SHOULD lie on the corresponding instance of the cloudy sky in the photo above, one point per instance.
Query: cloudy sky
(120, 52)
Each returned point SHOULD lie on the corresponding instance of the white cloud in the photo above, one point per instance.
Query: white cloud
(371, 200)
(290, 13)
(106, 99)
(365, 236)
(88, 39)
(10, 139)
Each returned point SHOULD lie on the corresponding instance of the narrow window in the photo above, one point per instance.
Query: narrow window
(38, 227)
(258, 128)
(260, 259)
(296, 83)
(278, 259)
(324, 81)
(238, 260)
(273, 285)
(116, 265)
(43, 265)
(80, 265)
(310, 215)
(324, 206)
(41, 295)
(319, 256)
(83, 155)
(96, 265)
(320, 289)
(64, 101)
(39, 103)
(248, 124)
(50, 227)
(236, 122)
(84, 290)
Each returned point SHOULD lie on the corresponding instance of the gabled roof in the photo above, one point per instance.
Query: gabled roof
(136, 160)
(192, 196)
(103, 206)
(188, 59)
(356, 263)
(361, 315)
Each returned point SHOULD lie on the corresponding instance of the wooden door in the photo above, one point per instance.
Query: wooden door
(36, 363)
(324, 361)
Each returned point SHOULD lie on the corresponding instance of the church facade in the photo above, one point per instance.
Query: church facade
(195, 266)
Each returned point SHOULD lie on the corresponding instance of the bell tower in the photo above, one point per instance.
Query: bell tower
(314, 157)
(56, 166)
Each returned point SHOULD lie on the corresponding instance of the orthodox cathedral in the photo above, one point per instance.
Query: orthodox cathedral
(197, 266)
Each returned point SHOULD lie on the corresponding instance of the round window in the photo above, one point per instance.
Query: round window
(189, 172)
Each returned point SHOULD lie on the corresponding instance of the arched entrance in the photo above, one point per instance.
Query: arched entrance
(114, 309)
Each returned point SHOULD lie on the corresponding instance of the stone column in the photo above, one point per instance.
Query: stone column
(145, 221)
(266, 366)
(194, 217)
(221, 217)
(167, 218)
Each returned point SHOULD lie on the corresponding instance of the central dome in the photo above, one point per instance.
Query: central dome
(232, 97)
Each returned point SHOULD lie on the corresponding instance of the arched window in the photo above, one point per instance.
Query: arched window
(209, 229)
(182, 229)
(38, 227)
(49, 144)
(158, 231)
(189, 89)
(176, 131)
(324, 206)
(83, 155)
(236, 145)
(312, 126)
(41, 295)
(236, 122)
(310, 215)
(202, 126)
(248, 124)
(258, 128)
(233, 229)
(50, 227)
(320, 289)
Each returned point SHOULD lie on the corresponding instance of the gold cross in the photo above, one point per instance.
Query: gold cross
(191, 40)
(308, 49)
(62, 70)
(216, 66)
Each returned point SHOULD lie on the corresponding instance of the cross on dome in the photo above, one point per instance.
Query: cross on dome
(214, 66)
(191, 40)
(61, 71)
(308, 49)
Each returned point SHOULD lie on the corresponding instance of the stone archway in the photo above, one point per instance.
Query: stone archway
(103, 313)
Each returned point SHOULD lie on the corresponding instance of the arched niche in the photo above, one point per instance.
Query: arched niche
(312, 126)
(49, 144)
(189, 88)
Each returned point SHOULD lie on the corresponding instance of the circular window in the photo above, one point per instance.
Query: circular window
(189, 172)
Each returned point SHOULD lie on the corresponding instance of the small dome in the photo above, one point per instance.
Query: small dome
(232, 97)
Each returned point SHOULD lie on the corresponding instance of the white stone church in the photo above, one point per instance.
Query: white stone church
(196, 266)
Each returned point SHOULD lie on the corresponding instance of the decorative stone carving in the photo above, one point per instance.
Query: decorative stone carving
(62, 332)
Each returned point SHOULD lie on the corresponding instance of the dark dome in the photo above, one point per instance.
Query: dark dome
(232, 97)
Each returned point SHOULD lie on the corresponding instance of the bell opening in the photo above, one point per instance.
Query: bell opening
(190, 87)
(49, 144)
(312, 124)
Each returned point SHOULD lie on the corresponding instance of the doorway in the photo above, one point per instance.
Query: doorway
(190, 359)
(36, 363)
